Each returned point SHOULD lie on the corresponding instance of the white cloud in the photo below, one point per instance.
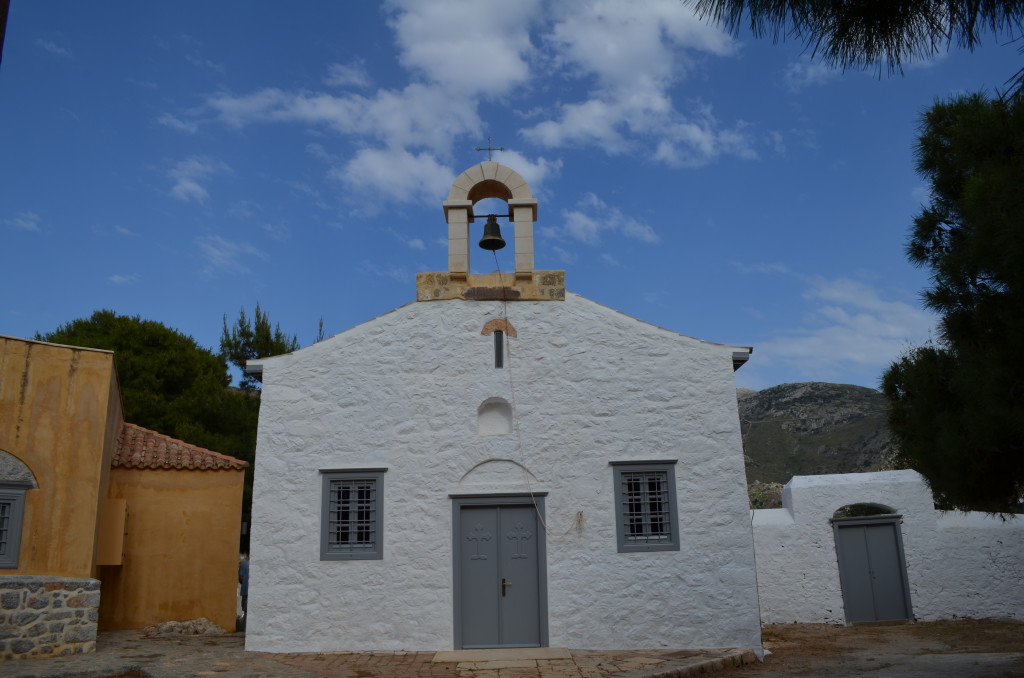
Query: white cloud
(145, 84)
(303, 188)
(762, 267)
(125, 279)
(850, 328)
(592, 217)
(52, 47)
(398, 273)
(633, 53)
(190, 174)
(124, 231)
(534, 172)
(320, 153)
(277, 232)
(196, 59)
(347, 75)
(397, 175)
(630, 55)
(418, 116)
(243, 209)
(25, 221)
(414, 243)
(564, 255)
(468, 48)
(610, 260)
(807, 73)
(224, 256)
(175, 123)
(632, 46)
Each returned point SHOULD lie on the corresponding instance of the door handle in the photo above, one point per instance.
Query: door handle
(504, 586)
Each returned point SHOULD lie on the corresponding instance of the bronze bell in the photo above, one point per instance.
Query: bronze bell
(492, 239)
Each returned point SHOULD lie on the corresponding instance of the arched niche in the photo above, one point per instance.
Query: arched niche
(489, 180)
(494, 417)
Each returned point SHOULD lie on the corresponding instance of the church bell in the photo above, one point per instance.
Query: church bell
(492, 239)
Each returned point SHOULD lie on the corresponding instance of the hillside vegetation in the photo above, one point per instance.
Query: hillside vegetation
(810, 429)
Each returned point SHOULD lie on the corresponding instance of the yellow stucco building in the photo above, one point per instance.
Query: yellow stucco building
(84, 495)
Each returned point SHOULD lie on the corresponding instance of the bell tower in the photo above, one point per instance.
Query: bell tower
(490, 180)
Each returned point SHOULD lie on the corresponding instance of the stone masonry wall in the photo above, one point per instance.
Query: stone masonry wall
(47, 616)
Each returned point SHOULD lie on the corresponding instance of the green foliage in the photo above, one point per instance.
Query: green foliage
(169, 383)
(764, 495)
(862, 511)
(811, 429)
(248, 339)
(862, 35)
(957, 405)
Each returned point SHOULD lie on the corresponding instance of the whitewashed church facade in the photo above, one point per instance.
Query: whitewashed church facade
(500, 463)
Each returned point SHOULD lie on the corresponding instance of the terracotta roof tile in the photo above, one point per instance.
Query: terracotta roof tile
(139, 447)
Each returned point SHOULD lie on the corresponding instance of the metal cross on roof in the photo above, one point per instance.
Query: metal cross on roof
(489, 148)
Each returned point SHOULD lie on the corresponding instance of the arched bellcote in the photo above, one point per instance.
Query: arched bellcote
(490, 180)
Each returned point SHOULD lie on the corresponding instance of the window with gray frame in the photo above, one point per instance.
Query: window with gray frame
(352, 514)
(12, 504)
(645, 506)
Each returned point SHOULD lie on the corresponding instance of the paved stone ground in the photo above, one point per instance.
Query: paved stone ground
(129, 654)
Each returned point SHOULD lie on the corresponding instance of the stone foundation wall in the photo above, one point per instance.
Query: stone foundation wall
(47, 616)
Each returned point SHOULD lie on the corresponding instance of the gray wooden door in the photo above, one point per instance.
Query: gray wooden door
(499, 574)
(872, 571)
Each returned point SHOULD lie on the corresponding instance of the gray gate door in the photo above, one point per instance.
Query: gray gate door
(498, 577)
(872, 570)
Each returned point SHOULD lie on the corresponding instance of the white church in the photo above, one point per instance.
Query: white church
(499, 464)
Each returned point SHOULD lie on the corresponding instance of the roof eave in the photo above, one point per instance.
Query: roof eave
(740, 358)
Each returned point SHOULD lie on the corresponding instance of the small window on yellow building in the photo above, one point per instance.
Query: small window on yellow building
(12, 505)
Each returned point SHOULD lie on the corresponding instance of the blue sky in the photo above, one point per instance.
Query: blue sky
(181, 160)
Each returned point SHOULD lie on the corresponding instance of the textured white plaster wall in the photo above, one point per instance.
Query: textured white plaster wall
(588, 386)
(958, 565)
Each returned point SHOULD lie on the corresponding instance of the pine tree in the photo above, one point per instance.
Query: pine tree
(957, 405)
(250, 339)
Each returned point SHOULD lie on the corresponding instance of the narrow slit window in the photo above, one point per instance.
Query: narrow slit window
(499, 349)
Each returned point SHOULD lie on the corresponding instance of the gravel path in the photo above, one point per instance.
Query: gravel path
(959, 649)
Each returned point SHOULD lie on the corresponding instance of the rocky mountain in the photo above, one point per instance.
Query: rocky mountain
(810, 429)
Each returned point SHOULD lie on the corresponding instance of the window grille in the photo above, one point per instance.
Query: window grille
(352, 520)
(646, 511)
(352, 515)
(646, 506)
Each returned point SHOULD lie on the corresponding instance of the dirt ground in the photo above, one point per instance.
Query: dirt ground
(960, 649)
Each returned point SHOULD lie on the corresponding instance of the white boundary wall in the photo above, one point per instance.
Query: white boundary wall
(959, 565)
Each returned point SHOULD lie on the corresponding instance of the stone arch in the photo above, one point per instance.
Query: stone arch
(494, 417)
(14, 471)
(497, 471)
(489, 180)
(499, 324)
